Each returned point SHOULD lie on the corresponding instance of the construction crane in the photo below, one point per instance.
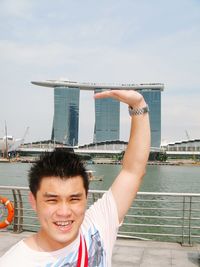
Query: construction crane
(25, 134)
(187, 135)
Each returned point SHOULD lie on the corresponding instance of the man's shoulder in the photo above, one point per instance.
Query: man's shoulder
(11, 255)
(100, 211)
(106, 200)
(106, 196)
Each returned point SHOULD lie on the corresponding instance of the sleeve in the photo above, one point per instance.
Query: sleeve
(103, 214)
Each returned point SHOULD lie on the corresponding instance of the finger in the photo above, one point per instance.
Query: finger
(103, 94)
(121, 95)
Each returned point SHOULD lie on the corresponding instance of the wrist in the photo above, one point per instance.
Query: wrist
(134, 111)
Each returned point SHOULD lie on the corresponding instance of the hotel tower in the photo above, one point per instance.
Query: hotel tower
(107, 111)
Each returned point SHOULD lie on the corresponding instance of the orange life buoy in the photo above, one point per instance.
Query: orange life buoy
(6, 202)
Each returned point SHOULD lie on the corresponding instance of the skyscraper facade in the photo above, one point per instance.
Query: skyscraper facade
(107, 119)
(66, 115)
(153, 99)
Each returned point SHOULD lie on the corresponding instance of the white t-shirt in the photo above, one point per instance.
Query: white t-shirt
(99, 229)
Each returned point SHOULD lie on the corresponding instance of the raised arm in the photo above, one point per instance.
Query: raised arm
(126, 184)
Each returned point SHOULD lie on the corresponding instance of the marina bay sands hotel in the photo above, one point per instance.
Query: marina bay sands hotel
(107, 111)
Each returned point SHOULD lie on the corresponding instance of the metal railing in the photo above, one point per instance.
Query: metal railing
(173, 217)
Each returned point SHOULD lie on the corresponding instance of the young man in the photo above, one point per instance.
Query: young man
(69, 235)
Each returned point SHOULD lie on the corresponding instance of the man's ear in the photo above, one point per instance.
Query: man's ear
(32, 201)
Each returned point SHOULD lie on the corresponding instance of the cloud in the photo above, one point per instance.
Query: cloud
(17, 9)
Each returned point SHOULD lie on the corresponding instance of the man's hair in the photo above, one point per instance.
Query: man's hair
(59, 163)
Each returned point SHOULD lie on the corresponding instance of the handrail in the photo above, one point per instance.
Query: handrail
(159, 216)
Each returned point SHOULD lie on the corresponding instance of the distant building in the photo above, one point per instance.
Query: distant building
(66, 115)
(107, 119)
(107, 111)
(153, 99)
(183, 149)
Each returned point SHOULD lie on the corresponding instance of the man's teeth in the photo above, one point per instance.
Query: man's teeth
(63, 223)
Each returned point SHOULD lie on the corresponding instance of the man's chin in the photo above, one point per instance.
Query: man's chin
(65, 238)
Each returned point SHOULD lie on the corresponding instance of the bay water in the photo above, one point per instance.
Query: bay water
(158, 178)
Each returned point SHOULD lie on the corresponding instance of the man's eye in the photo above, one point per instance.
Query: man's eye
(75, 199)
(51, 200)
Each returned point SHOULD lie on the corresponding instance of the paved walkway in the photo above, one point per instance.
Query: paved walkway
(134, 253)
(154, 254)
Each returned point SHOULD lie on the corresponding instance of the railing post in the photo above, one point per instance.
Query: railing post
(187, 216)
(18, 211)
(189, 223)
(183, 220)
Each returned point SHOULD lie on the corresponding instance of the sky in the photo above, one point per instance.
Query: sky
(111, 41)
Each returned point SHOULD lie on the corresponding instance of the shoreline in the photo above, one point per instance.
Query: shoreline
(174, 162)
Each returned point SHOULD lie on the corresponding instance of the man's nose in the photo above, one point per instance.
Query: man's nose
(64, 209)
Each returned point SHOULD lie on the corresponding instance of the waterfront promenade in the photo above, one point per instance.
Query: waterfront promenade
(134, 253)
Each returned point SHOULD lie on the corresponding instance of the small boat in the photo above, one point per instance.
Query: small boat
(92, 177)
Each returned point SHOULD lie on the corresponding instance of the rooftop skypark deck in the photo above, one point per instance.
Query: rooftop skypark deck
(92, 86)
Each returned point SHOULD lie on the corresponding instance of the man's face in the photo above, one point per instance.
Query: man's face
(60, 206)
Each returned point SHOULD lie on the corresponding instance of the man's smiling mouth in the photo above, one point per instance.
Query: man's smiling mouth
(63, 223)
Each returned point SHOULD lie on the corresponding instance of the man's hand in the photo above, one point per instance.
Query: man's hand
(130, 97)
